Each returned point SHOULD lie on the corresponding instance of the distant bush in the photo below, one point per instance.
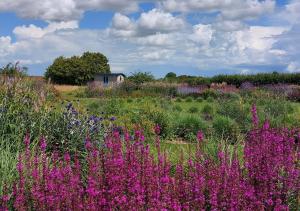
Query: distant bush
(226, 128)
(129, 100)
(186, 125)
(193, 110)
(178, 99)
(189, 99)
(233, 110)
(141, 77)
(208, 109)
(210, 99)
(177, 108)
(199, 99)
(258, 79)
(209, 93)
(162, 119)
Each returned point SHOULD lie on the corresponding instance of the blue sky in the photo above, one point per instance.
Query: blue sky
(196, 37)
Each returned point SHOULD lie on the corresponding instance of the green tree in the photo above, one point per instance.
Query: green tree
(171, 75)
(77, 70)
(141, 77)
(95, 62)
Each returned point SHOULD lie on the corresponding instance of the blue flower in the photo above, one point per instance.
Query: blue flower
(69, 106)
(113, 118)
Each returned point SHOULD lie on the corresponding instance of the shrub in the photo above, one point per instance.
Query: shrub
(177, 108)
(209, 93)
(208, 109)
(199, 100)
(129, 100)
(193, 110)
(189, 99)
(226, 128)
(210, 100)
(162, 119)
(178, 99)
(234, 110)
(188, 124)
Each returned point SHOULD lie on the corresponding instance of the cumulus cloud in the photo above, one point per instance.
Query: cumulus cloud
(64, 10)
(233, 9)
(247, 9)
(149, 23)
(50, 10)
(33, 32)
(158, 21)
(202, 34)
(293, 67)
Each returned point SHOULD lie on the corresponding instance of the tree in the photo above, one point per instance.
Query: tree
(170, 75)
(77, 70)
(141, 77)
(96, 62)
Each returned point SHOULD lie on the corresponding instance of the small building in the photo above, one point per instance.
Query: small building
(109, 79)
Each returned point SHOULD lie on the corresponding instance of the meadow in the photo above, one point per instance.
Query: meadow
(147, 148)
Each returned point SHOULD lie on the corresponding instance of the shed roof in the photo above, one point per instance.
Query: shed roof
(110, 74)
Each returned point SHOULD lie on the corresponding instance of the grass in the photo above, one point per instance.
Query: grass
(66, 88)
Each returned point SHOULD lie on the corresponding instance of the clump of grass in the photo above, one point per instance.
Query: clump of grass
(177, 108)
(199, 100)
(193, 110)
(189, 99)
(129, 100)
(178, 99)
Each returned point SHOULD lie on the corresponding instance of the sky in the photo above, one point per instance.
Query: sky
(191, 37)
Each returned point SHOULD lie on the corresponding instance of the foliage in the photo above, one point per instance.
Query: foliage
(193, 110)
(139, 78)
(170, 75)
(236, 111)
(226, 128)
(189, 99)
(258, 79)
(186, 125)
(77, 70)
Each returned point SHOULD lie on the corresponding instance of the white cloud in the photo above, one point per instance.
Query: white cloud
(202, 34)
(5, 46)
(259, 38)
(64, 10)
(293, 67)
(292, 12)
(54, 10)
(247, 9)
(32, 31)
(158, 39)
(149, 23)
(158, 21)
(232, 9)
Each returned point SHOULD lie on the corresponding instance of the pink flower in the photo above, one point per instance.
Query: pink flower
(200, 136)
(157, 129)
